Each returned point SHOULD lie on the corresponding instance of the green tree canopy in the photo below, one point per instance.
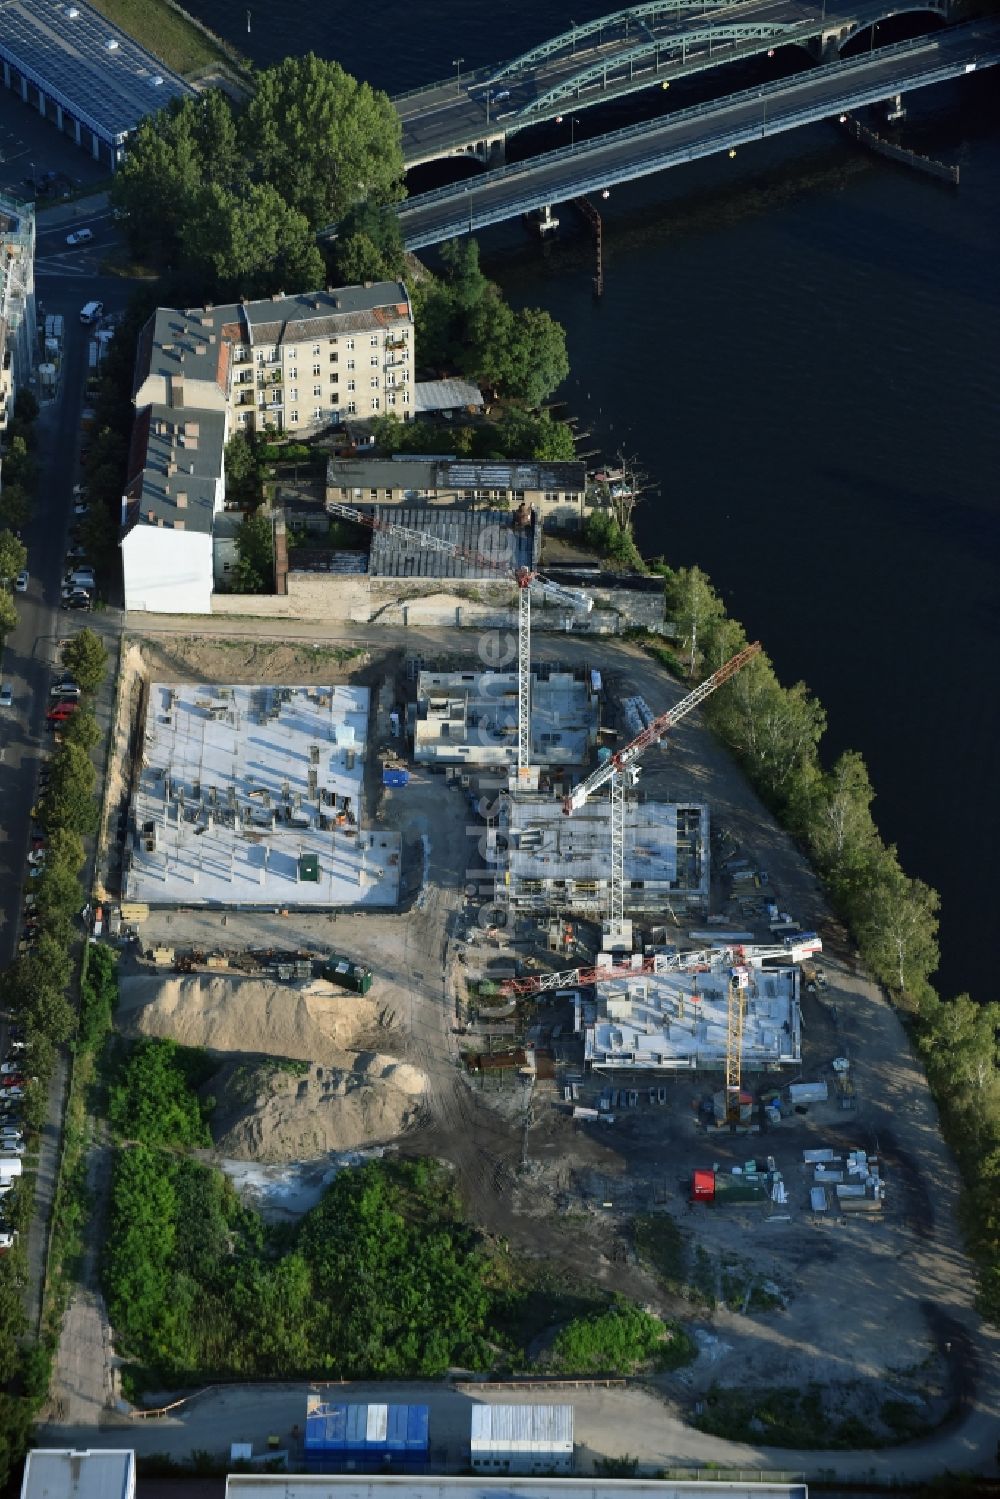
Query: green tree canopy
(255, 544)
(8, 615)
(13, 556)
(322, 138)
(86, 658)
(250, 238)
(68, 802)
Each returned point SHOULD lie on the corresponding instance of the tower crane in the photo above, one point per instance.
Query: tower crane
(525, 579)
(621, 765)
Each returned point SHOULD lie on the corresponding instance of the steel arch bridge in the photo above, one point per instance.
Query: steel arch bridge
(673, 49)
(567, 40)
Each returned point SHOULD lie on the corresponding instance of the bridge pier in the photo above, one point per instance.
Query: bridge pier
(895, 109)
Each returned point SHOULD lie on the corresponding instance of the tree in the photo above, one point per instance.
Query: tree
(249, 240)
(162, 175)
(255, 544)
(86, 659)
(13, 556)
(69, 797)
(8, 615)
(15, 506)
(692, 604)
(83, 730)
(368, 247)
(326, 140)
(521, 434)
(898, 927)
(25, 406)
(357, 259)
(537, 357)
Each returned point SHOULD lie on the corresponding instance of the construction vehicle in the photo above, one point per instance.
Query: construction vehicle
(523, 577)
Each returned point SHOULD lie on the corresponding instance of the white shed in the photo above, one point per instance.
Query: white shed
(522, 1439)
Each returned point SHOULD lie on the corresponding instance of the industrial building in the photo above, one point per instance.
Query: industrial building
(676, 1018)
(314, 1486)
(521, 1439)
(18, 332)
(76, 68)
(61, 1473)
(551, 860)
(249, 796)
(557, 491)
(365, 1436)
(470, 718)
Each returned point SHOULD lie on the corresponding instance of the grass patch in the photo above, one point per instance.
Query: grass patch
(160, 28)
(781, 1417)
(660, 1244)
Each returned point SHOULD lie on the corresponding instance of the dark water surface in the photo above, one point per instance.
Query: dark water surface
(802, 346)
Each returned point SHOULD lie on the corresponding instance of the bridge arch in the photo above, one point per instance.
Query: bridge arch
(672, 50)
(568, 40)
(938, 8)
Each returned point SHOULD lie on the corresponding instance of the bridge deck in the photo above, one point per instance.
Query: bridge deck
(705, 129)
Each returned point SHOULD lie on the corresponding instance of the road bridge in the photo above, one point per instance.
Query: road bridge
(707, 129)
(647, 46)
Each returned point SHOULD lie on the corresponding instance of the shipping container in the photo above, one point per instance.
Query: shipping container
(365, 1436)
(394, 777)
(338, 969)
(507, 1439)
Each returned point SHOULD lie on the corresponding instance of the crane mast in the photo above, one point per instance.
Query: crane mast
(523, 577)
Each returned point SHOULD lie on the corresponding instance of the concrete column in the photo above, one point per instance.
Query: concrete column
(76, 132)
(59, 116)
(96, 146)
(6, 75)
(895, 110)
(24, 88)
(41, 103)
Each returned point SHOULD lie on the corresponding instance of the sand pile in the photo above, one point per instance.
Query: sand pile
(367, 1101)
(312, 1021)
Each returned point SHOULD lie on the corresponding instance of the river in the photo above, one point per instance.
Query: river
(800, 345)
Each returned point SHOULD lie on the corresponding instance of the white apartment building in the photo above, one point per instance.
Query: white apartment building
(286, 364)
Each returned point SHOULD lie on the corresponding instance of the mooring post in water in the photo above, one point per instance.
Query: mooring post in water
(590, 213)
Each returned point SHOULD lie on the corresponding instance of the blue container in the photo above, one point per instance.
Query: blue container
(395, 777)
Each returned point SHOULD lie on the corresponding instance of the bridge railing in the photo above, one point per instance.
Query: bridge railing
(695, 111)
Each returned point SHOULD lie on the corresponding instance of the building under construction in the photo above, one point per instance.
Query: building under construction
(679, 1017)
(254, 796)
(470, 718)
(548, 860)
(17, 300)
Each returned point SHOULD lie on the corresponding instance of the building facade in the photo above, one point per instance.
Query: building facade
(18, 331)
(556, 491)
(284, 364)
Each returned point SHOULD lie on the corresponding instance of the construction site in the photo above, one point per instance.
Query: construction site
(648, 1066)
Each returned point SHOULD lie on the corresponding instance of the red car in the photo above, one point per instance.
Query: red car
(61, 712)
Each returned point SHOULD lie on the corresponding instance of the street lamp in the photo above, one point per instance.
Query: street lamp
(456, 63)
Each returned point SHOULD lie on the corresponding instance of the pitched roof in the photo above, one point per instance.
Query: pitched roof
(175, 461)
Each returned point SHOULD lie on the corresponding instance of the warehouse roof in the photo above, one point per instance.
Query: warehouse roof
(64, 1474)
(385, 1486)
(522, 1428)
(485, 534)
(90, 66)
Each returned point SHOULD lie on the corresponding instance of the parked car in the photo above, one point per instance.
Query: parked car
(77, 553)
(79, 599)
(12, 1147)
(6, 696)
(91, 312)
(12, 1091)
(80, 237)
(65, 687)
(60, 713)
(81, 507)
(21, 582)
(7, 1241)
(8, 1067)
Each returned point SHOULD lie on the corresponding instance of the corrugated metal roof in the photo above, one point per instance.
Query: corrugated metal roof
(445, 395)
(522, 1428)
(360, 1428)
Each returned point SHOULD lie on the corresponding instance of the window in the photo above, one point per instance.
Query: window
(333, 343)
(350, 364)
(374, 382)
(349, 343)
(390, 378)
(317, 369)
(333, 379)
(373, 494)
(293, 417)
(350, 384)
(374, 340)
(317, 390)
(374, 403)
(317, 413)
(293, 394)
(315, 348)
(333, 358)
(391, 398)
(374, 361)
(351, 408)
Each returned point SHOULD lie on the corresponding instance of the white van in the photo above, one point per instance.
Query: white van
(91, 312)
(80, 577)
